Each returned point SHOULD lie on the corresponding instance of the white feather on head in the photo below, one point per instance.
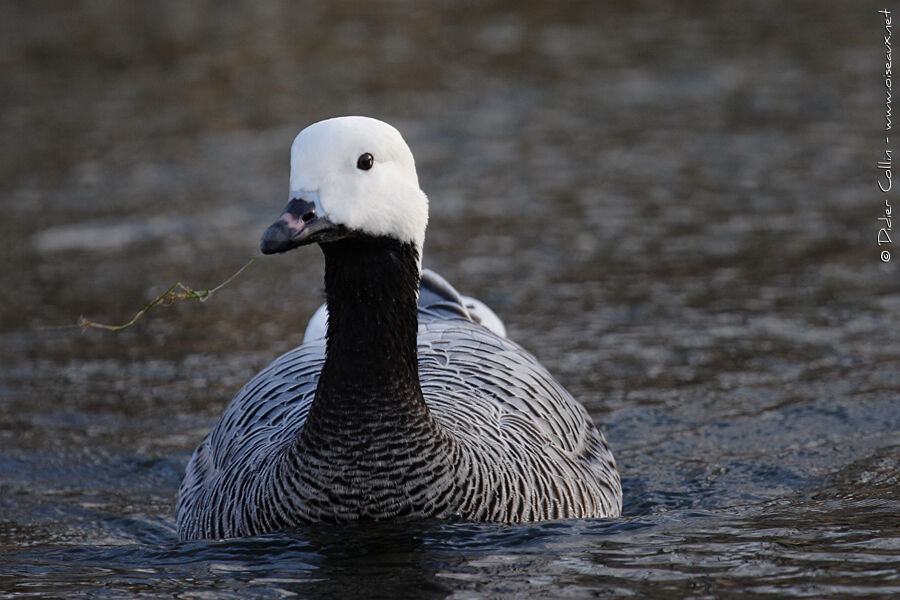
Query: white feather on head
(384, 200)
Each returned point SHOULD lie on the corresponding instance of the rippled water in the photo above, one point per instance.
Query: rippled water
(673, 207)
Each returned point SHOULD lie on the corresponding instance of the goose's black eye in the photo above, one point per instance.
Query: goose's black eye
(365, 161)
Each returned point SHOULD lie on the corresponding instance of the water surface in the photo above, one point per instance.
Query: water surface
(673, 208)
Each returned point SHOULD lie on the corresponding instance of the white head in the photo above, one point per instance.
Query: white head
(352, 173)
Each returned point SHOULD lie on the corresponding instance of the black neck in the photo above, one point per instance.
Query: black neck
(371, 284)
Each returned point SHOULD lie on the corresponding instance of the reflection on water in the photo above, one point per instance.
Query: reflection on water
(668, 205)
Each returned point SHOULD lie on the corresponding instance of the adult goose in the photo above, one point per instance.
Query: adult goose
(408, 407)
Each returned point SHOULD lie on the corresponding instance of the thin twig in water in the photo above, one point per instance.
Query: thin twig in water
(168, 297)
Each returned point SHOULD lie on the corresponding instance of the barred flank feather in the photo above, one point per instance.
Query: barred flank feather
(507, 444)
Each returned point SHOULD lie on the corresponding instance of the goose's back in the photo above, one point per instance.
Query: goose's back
(522, 447)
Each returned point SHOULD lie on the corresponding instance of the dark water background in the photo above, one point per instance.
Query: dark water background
(672, 205)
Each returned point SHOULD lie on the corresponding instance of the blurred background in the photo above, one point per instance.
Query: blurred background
(671, 204)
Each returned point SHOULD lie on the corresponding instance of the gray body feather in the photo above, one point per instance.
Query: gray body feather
(506, 443)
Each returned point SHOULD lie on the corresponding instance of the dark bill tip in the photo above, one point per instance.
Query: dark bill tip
(299, 225)
(279, 238)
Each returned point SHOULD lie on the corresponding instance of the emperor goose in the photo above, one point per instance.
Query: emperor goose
(408, 407)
